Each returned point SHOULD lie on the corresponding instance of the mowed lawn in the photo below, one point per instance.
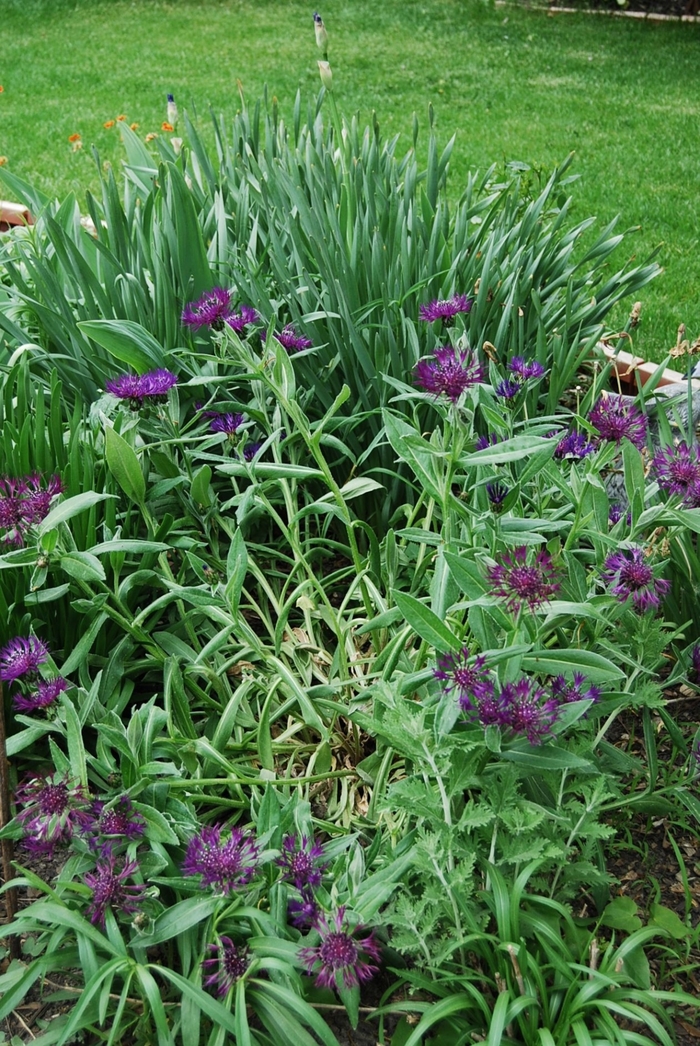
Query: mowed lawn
(514, 84)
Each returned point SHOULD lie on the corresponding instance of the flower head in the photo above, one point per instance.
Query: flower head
(340, 953)
(678, 469)
(629, 576)
(24, 503)
(45, 695)
(522, 583)
(615, 419)
(497, 494)
(301, 862)
(110, 889)
(228, 964)
(166, 126)
(53, 810)
(224, 864)
(470, 681)
(574, 445)
(73, 137)
(616, 512)
(211, 310)
(566, 690)
(119, 819)
(445, 309)
(450, 375)
(526, 708)
(21, 657)
(108, 124)
(238, 321)
(304, 913)
(290, 340)
(250, 450)
(321, 34)
(507, 389)
(152, 387)
(226, 423)
(525, 370)
(171, 110)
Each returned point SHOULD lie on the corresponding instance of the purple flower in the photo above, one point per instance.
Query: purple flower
(301, 862)
(445, 310)
(340, 953)
(224, 864)
(616, 419)
(524, 370)
(526, 709)
(250, 450)
(565, 690)
(496, 493)
(471, 681)
(290, 340)
(616, 513)
(226, 423)
(520, 583)
(213, 309)
(22, 657)
(139, 388)
(507, 389)
(304, 913)
(54, 809)
(24, 503)
(238, 321)
(490, 440)
(628, 576)
(228, 964)
(110, 890)
(119, 818)
(451, 374)
(678, 469)
(695, 663)
(45, 695)
(574, 445)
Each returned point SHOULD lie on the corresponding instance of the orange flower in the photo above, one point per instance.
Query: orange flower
(150, 136)
(165, 126)
(1, 88)
(73, 137)
(3, 161)
(122, 117)
(134, 126)
(108, 124)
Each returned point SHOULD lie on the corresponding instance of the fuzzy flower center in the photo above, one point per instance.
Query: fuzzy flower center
(53, 799)
(338, 950)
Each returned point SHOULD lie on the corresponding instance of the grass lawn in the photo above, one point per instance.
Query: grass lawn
(515, 84)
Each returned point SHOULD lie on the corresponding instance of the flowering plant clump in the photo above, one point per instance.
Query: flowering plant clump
(445, 310)
(450, 374)
(152, 387)
(24, 503)
(521, 583)
(341, 956)
(629, 577)
(616, 419)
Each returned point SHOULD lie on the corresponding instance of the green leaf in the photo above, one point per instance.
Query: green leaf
(126, 341)
(70, 507)
(621, 914)
(79, 653)
(178, 919)
(426, 624)
(74, 741)
(83, 566)
(667, 919)
(124, 466)
(546, 757)
(553, 662)
(200, 488)
(510, 450)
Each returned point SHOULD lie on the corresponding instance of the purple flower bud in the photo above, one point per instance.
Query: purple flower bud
(45, 695)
